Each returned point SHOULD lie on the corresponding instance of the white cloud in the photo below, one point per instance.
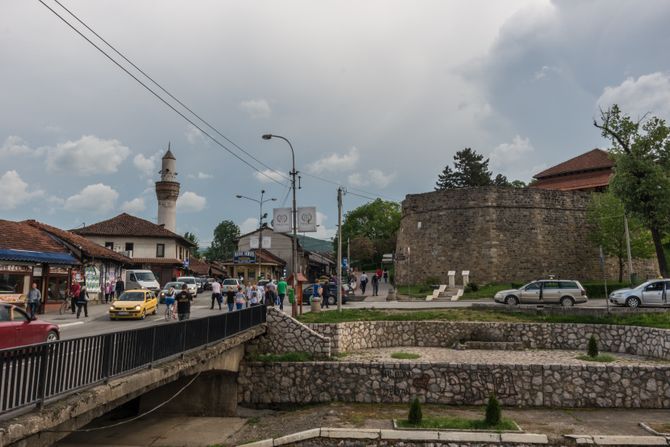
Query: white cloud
(256, 108)
(335, 162)
(322, 231)
(190, 202)
(649, 93)
(14, 145)
(507, 153)
(14, 191)
(89, 155)
(250, 224)
(545, 72)
(195, 136)
(134, 206)
(147, 165)
(201, 176)
(267, 175)
(98, 199)
(374, 177)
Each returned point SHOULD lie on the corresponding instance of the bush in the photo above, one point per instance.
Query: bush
(472, 287)
(414, 417)
(493, 411)
(592, 350)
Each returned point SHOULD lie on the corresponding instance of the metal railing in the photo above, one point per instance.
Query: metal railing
(29, 375)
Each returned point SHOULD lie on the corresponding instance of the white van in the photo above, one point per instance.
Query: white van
(141, 279)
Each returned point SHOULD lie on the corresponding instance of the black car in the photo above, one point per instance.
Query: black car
(308, 289)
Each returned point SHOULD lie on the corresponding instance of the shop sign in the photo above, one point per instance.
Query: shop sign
(244, 257)
(37, 271)
(12, 298)
(92, 279)
(59, 270)
(15, 268)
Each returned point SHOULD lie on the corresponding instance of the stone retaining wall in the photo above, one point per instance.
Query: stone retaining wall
(601, 386)
(643, 341)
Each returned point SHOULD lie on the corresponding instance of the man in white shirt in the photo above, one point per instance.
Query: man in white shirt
(216, 294)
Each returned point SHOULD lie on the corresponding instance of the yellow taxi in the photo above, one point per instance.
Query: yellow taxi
(134, 304)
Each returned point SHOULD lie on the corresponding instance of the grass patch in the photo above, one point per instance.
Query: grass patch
(405, 355)
(288, 357)
(603, 358)
(457, 423)
(487, 291)
(656, 319)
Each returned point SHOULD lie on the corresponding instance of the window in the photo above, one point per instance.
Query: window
(655, 287)
(11, 283)
(533, 286)
(129, 246)
(160, 250)
(569, 285)
(551, 285)
(109, 245)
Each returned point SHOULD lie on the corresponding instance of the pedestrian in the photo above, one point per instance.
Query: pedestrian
(82, 302)
(379, 273)
(375, 285)
(254, 300)
(33, 301)
(75, 289)
(119, 287)
(325, 294)
(184, 299)
(386, 276)
(240, 300)
(216, 294)
(230, 299)
(364, 282)
(250, 291)
(281, 292)
(260, 291)
(109, 291)
(170, 298)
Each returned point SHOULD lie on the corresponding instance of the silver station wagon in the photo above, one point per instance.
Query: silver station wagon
(567, 293)
(650, 293)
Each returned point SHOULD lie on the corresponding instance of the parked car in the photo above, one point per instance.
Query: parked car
(545, 291)
(176, 285)
(191, 283)
(208, 283)
(231, 284)
(16, 328)
(307, 292)
(264, 282)
(200, 282)
(650, 293)
(134, 304)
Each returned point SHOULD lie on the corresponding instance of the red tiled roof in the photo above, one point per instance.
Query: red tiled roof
(198, 266)
(126, 225)
(165, 261)
(267, 256)
(22, 236)
(89, 248)
(582, 180)
(596, 159)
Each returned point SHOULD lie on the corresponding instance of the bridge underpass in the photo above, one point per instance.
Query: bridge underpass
(46, 419)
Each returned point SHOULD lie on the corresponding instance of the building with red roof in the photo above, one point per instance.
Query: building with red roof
(587, 172)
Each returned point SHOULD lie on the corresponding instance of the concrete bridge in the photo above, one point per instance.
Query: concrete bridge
(210, 358)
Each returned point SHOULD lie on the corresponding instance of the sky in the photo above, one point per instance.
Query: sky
(375, 96)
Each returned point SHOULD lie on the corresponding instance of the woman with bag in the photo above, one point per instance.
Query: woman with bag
(82, 301)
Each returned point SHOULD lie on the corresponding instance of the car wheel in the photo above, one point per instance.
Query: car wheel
(155, 310)
(144, 315)
(52, 336)
(633, 302)
(112, 318)
(511, 300)
(566, 301)
(332, 300)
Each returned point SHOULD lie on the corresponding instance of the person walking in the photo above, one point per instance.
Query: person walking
(82, 302)
(364, 282)
(270, 293)
(386, 276)
(282, 285)
(325, 294)
(375, 285)
(260, 293)
(119, 287)
(170, 298)
(33, 301)
(216, 294)
(254, 299)
(379, 273)
(230, 299)
(75, 289)
(184, 299)
(240, 300)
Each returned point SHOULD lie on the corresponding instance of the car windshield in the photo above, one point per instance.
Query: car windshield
(131, 296)
(174, 285)
(188, 280)
(145, 276)
(229, 282)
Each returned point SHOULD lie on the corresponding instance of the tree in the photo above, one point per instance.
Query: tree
(470, 170)
(641, 151)
(606, 218)
(592, 348)
(225, 241)
(193, 238)
(364, 249)
(377, 221)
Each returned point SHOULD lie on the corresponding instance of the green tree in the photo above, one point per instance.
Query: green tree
(471, 169)
(607, 229)
(493, 413)
(592, 347)
(225, 241)
(364, 249)
(193, 238)
(377, 221)
(641, 151)
(415, 415)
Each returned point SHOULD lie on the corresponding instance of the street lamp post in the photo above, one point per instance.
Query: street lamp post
(294, 211)
(260, 224)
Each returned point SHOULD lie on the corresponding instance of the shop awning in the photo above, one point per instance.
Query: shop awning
(37, 256)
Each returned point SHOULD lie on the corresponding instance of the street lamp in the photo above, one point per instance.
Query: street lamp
(260, 224)
(294, 211)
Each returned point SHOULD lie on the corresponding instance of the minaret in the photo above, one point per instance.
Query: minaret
(167, 192)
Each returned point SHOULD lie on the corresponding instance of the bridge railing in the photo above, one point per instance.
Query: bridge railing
(29, 375)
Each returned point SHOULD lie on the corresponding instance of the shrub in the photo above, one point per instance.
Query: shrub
(431, 281)
(592, 350)
(472, 287)
(414, 417)
(493, 411)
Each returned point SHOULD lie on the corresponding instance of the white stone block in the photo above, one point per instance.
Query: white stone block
(350, 433)
(630, 440)
(469, 436)
(297, 437)
(263, 443)
(524, 438)
(408, 435)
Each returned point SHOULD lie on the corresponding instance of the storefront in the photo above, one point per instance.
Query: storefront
(254, 265)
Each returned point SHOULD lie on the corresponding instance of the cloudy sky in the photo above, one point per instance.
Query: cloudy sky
(374, 95)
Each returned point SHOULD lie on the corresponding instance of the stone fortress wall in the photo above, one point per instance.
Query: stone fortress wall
(500, 235)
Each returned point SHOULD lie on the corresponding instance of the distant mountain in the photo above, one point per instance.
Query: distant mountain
(316, 245)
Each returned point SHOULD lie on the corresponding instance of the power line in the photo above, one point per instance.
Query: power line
(160, 97)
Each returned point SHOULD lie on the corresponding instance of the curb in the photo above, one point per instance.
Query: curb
(619, 440)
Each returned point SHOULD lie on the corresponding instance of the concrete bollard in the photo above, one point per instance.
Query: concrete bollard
(315, 304)
(466, 277)
(452, 278)
(390, 296)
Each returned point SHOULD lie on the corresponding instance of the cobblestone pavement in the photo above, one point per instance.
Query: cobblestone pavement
(481, 356)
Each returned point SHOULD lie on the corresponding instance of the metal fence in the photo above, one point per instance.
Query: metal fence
(29, 375)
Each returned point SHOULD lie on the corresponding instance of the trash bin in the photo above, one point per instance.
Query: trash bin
(390, 296)
(315, 304)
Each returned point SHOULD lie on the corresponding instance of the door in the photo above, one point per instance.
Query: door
(551, 292)
(666, 294)
(531, 293)
(8, 328)
(652, 295)
(26, 333)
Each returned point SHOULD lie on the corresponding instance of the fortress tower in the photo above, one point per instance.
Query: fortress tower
(167, 192)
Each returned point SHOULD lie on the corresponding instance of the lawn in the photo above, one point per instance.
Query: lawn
(446, 422)
(657, 319)
(405, 355)
(601, 358)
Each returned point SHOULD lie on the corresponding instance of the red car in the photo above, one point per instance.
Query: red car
(16, 329)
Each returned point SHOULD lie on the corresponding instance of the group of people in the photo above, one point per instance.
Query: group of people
(375, 279)
(113, 289)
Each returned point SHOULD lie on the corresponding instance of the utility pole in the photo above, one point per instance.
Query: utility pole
(339, 249)
(630, 258)
(349, 253)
